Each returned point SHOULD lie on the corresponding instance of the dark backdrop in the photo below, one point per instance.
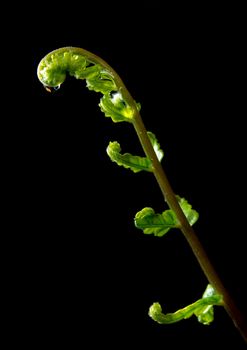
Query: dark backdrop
(93, 274)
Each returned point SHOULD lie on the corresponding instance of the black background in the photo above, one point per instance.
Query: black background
(93, 275)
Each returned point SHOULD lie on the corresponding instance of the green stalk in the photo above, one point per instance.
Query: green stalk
(187, 230)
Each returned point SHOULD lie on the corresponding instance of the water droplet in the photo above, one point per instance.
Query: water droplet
(51, 88)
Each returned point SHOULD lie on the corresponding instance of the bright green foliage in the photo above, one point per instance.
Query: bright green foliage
(159, 224)
(103, 82)
(191, 214)
(115, 107)
(53, 68)
(52, 72)
(202, 308)
(156, 145)
(135, 163)
(205, 314)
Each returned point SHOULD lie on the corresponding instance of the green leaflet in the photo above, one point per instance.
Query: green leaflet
(159, 224)
(113, 105)
(135, 163)
(205, 314)
(156, 145)
(202, 309)
(191, 214)
(103, 83)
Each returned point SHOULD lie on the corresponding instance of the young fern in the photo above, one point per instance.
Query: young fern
(117, 104)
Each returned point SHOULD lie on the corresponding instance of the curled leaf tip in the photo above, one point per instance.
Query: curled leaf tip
(114, 106)
(156, 146)
(99, 76)
(202, 309)
(155, 311)
(129, 161)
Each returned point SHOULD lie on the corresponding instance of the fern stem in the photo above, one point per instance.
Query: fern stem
(187, 230)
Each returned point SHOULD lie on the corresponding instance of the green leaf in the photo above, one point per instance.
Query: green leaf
(191, 214)
(156, 145)
(205, 314)
(113, 106)
(159, 224)
(202, 308)
(103, 83)
(135, 163)
(89, 72)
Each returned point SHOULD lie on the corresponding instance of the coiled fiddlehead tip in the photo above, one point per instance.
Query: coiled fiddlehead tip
(116, 102)
(53, 68)
(49, 71)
